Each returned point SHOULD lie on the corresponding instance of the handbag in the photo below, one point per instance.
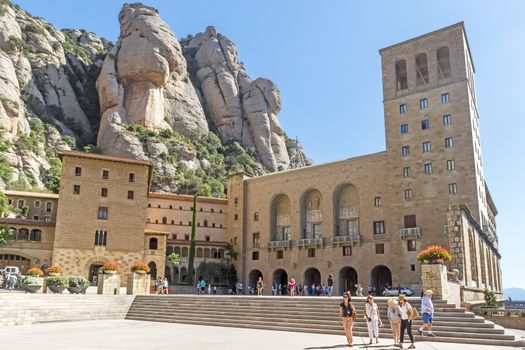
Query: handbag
(413, 313)
(354, 314)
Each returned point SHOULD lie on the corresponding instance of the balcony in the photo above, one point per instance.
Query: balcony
(353, 238)
(410, 232)
(490, 232)
(279, 244)
(305, 242)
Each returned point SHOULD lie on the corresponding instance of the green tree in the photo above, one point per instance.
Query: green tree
(192, 244)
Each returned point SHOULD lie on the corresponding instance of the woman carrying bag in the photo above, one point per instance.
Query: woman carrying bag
(347, 315)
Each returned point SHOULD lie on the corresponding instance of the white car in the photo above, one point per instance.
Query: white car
(393, 292)
(12, 270)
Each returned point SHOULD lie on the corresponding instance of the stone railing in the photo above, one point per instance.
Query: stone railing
(348, 238)
(309, 242)
(410, 232)
(279, 244)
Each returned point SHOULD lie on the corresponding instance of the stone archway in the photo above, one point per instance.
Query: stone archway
(16, 259)
(280, 277)
(381, 277)
(347, 280)
(312, 275)
(93, 272)
(153, 269)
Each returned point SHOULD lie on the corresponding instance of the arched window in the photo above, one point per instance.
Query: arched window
(36, 235)
(164, 220)
(169, 250)
(443, 60)
(199, 252)
(421, 69)
(153, 243)
(23, 234)
(176, 250)
(184, 252)
(101, 237)
(13, 231)
(401, 75)
(205, 223)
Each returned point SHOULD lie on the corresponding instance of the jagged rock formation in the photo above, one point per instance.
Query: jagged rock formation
(241, 109)
(146, 97)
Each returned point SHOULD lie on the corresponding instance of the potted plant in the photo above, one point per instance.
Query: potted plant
(140, 267)
(434, 254)
(34, 272)
(54, 270)
(57, 284)
(77, 285)
(111, 268)
(30, 284)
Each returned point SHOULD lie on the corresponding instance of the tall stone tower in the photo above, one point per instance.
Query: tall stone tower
(432, 136)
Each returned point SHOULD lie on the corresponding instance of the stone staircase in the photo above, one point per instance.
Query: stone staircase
(311, 315)
(19, 308)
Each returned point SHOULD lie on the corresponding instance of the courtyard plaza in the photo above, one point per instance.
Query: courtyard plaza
(129, 335)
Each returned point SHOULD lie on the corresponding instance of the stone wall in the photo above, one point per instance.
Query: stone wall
(435, 278)
(108, 284)
(139, 284)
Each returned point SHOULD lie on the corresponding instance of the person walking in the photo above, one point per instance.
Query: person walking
(373, 319)
(407, 314)
(395, 319)
(427, 312)
(330, 285)
(347, 316)
(202, 285)
(165, 285)
(260, 286)
(292, 287)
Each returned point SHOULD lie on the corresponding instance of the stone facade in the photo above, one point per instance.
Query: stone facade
(108, 284)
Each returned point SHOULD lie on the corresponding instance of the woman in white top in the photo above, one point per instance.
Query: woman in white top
(373, 320)
(405, 309)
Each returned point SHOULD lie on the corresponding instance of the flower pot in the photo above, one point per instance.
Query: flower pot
(439, 261)
(31, 288)
(110, 272)
(56, 290)
(140, 272)
(53, 274)
(75, 290)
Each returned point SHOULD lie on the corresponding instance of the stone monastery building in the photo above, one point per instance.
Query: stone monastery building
(362, 219)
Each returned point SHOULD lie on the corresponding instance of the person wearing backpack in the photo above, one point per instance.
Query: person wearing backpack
(347, 315)
(408, 313)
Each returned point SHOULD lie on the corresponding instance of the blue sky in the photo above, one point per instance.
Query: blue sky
(324, 58)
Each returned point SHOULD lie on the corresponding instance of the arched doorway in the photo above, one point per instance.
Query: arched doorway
(381, 277)
(253, 277)
(347, 280)
(93, 272)
(280, 277)
(312, 275)
(153, 269)
(167, 273)
(19, 261)
(175, 276)
(183, 273)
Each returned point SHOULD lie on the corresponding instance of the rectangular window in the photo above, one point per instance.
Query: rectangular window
(279, 254)
(426, 147)
(78, 171)
(235, 217)
(36, 217)
(405, 151)
(447, 119)
(403, 108)
(311, 252)
(103, 192)
(187, 237)
(255, 216)
(411, 245)
(408, 194)
(49, 206)
(37, 204)
(131, 177)
(379, 227)
(410, 221)
(76, 189)
(101, 237)
(449, 142)
(102, 213)
(444, 97)
(451, 165)
(428, 168)
(105, 174)
(131, 194)
(255, 255)
(423, 103)
(407, 172)
(236, 201)
(380, 248)
(404, 129)
(425, 124)
(452, 188)
(347, 251)
(256, 239)
(207, 238)
(412, 267)
(377, 201)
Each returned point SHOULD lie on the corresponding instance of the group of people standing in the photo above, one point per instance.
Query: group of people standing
(400, 316)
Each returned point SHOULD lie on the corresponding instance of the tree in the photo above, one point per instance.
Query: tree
(192, 244)
(5, 232)
(174, 258)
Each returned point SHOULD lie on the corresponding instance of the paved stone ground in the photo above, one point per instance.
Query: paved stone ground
(131, 335)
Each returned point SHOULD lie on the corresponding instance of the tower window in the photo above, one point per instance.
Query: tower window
(421, 69)
(449, 142)
(444, 97)
(102, 213)
(447, 119)
(443, 59)
(427, 147)
(379, 227)
(76, 189)
(380, 248)
(131, 177)
(101, 237)
(425, 124)
(404, 128)
(407, 172)
(105, 174)
(405, 151)
(279, 254)
(347, 250)
(428, 168)
(130, 194)
(452, 188)
(408, 194)
(311, 252)
(255, 255)
(411, 245)
(451, 164)
(401, 75)
(423, 103)
(78, 171)
(377, 201)
(103, 192)
(403, 108)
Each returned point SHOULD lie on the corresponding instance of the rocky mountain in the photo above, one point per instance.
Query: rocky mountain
(187, 105)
